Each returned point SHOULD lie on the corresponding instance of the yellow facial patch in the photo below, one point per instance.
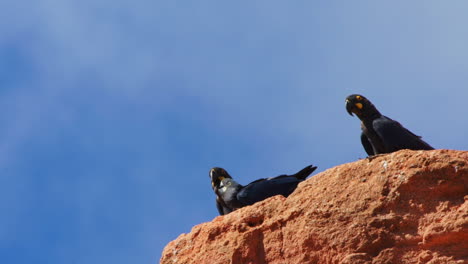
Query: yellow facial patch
(359, 97)
(358, 105)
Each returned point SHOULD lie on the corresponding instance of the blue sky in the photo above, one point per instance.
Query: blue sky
(113, 112)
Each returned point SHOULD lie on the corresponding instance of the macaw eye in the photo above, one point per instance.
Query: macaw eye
(359, 97)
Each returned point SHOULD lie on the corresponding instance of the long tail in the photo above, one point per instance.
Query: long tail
(305, 172)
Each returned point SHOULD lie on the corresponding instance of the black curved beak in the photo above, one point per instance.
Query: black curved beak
(214, 178)
(349, 107)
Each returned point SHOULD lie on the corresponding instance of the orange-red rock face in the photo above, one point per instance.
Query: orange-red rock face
(404, 207)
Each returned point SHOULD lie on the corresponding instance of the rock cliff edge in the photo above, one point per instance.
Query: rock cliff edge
(403, 207)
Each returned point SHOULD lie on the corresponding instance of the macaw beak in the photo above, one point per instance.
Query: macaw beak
(349, 107)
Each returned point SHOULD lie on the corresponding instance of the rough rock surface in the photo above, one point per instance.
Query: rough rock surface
(403, 207)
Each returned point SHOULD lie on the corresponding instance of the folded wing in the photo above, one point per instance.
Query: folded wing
(395, 137)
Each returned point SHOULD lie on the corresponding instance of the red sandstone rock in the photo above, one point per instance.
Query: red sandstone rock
(404, 207)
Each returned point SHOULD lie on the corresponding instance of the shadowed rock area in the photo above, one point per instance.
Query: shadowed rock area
(403, 207)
